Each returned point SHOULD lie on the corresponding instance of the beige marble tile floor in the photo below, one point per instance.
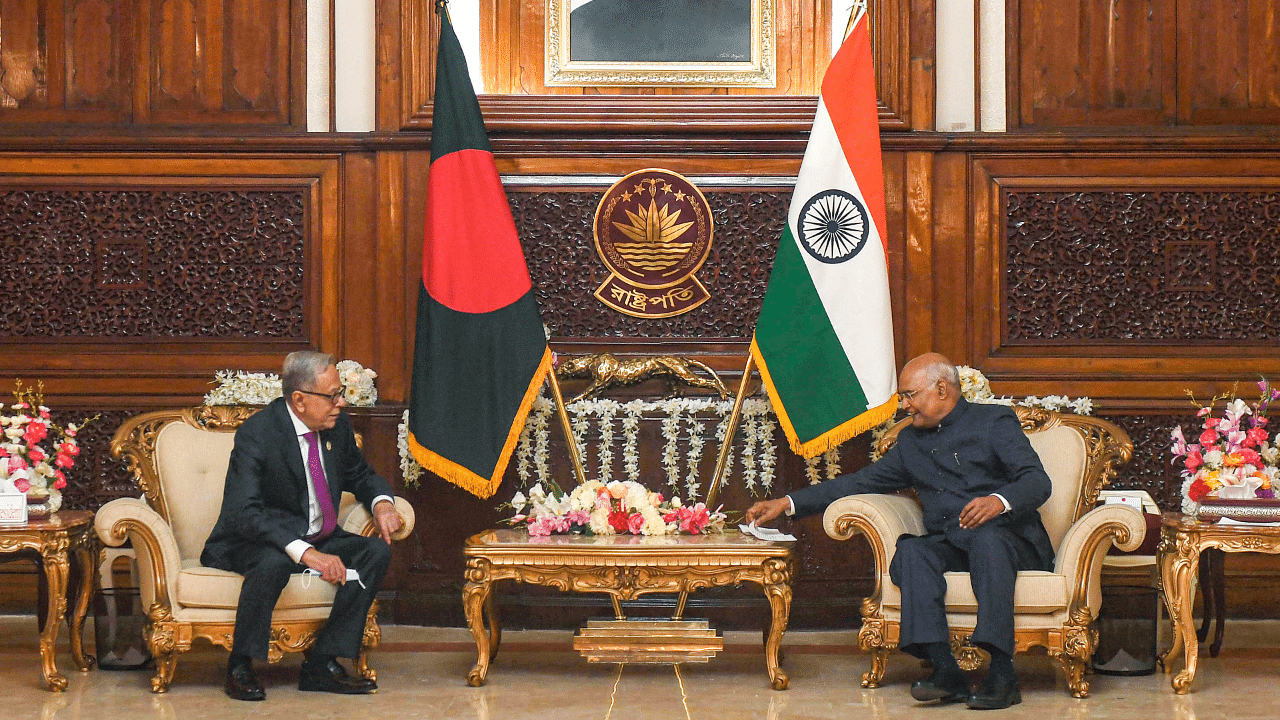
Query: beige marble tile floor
(537, 675)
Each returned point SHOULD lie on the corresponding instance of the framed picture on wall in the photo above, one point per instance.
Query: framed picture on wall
(721, 43)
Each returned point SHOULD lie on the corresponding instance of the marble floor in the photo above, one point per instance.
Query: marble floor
(538, 675)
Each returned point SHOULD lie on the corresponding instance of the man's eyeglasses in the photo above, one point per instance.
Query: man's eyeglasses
(333, 398)
(911, 394)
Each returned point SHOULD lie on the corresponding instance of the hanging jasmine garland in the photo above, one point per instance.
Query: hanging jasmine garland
(696, 442)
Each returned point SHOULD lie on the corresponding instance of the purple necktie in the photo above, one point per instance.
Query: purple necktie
(321, 487)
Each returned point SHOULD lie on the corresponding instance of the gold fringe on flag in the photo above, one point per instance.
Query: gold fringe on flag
(479, 485)
(831, 438)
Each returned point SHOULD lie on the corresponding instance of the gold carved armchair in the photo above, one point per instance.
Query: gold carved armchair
(179, 458)
(1054, 610)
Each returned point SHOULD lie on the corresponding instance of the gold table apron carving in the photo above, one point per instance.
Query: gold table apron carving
(1182, 538)
(69, 531)
(624, 567)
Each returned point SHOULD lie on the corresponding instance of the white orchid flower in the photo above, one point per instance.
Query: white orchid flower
(518, 502)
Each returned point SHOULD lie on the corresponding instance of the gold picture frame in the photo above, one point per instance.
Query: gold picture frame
(755, 67)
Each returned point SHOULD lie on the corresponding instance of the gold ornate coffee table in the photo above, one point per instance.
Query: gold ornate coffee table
(1182, 539)
(53, 538)
(624, 567)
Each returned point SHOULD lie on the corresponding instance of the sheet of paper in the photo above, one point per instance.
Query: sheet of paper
(765, 533)
(1229, 521)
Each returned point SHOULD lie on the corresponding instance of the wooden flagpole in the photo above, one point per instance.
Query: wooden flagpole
(734, 416)
(565, 425)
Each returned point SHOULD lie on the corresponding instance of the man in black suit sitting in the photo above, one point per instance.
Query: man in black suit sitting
(289, 467)
(980, 484)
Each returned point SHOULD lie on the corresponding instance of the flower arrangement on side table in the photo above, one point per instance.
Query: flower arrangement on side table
(1234, 458)
(34, 451)
(615, 508)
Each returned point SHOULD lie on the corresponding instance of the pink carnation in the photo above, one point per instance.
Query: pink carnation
(36, 454)
(635, 523)
(35, 432)
(61, 482)
(540, 527)
(22, 485)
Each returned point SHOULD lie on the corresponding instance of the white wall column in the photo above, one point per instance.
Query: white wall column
(318, 80)
(354, 43)
(954, 69)
(991, 57)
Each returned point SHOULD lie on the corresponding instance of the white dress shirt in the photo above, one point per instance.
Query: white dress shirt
(315, 519)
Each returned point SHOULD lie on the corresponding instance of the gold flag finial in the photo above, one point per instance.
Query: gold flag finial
(857, 11)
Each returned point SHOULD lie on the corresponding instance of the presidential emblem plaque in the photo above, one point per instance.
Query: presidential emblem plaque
(653, 231)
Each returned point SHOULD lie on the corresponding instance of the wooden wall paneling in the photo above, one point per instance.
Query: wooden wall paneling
(154, 293)
(941, 271)
(390, 90)
(1092, 63)
(1230, 73)
(393, 343)
(235, 62)
(65, 61)
(356, 307)
(1173, 231)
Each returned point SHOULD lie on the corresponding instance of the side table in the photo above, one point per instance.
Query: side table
(53, 538)
(1182, 540)
(624, 567)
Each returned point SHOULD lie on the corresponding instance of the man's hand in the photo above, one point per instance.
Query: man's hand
(767, 510)
(330, 567)
(979, 510)
(387, 519)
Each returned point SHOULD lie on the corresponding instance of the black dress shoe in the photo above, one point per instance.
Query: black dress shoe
(947, 687)
(331, 677)
(996, 693)
(242, 684)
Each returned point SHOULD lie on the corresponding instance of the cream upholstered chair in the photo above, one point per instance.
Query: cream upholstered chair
(179, 459)
(1052, 609)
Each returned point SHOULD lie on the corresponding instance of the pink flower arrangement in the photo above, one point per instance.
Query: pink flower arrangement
(1235, 457)
(34, 451)
(616, 508)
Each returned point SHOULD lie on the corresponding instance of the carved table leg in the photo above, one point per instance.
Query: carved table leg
(474, 596)
(778, 589)
(495, 626)
(1177, 569)
(56, 569)
(84, 559)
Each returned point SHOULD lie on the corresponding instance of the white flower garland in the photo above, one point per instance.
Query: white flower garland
(630, 435)
(410, 470)
(696, 442)
(758, 453)
(832, 459)
(670, 451)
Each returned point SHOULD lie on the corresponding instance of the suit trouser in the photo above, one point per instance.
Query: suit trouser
(266, 571)
(993, 556)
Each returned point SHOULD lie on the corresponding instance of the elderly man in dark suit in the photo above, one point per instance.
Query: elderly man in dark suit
(980, 484)
(289, 467)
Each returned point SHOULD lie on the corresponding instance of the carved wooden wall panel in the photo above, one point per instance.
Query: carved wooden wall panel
(555, 229)
(1190, 265)
(1228, 74)
(154, 276)
(1125, 278)
(148, 264)
(1092, 62)
(66, 60)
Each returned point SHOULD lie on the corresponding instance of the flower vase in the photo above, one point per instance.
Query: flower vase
(38, 505)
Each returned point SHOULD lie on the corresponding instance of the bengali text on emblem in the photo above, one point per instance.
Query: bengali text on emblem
(653, 231)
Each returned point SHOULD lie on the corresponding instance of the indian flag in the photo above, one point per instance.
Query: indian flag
(824, 340)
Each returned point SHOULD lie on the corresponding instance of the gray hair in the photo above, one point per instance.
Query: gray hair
(943, 370)
(301, 369)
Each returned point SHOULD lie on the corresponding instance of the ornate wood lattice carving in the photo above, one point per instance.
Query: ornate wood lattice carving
(1150, 468)
(153, 263)
(1154, 266)
(555, 228)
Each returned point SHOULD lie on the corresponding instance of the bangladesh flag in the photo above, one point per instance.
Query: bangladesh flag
(480, 355)
(824, 340)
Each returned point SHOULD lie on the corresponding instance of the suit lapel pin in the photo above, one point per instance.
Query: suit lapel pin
(328, 446)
